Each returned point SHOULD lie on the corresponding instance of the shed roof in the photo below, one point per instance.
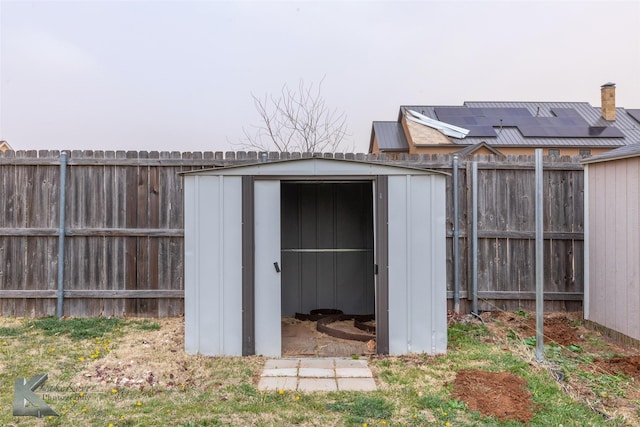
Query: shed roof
(315, 166)
(619, 153)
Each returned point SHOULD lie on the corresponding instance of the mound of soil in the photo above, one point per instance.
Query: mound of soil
(558, 327)
(499, 394)
(620, 365)
(565, 329)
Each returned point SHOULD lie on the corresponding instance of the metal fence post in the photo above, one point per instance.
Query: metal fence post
(539, 258)
(61, 233)
(456, 234)
(474, 237)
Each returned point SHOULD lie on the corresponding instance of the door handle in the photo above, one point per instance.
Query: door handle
(276, 266)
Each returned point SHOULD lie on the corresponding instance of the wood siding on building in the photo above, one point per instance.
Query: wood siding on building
(124, 252)
(420, 136)
(614, 245)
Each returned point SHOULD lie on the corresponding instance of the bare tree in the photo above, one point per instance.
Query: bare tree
(297, 120)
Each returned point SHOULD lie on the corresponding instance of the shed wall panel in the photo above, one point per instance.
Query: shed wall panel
(213, 268)
(438, 271)
(417, 265)
(420, 265)
(398, 271)
(231, 260)
(191, 279)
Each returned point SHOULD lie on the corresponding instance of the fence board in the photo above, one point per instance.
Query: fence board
(124, 229)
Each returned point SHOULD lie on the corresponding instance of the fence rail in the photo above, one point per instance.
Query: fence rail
(123, 229)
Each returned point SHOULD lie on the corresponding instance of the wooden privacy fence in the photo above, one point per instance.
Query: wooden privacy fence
(123, 229)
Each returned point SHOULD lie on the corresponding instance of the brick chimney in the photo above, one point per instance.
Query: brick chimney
(608, 96)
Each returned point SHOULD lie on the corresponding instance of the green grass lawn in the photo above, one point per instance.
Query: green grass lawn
(112, 372)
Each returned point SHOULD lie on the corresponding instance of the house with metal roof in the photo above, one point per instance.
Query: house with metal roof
(509, 128)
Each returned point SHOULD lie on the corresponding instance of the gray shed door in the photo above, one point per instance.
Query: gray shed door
(267, 260)
(327, 247)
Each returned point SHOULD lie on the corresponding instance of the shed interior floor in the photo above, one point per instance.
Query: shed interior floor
(301, 338)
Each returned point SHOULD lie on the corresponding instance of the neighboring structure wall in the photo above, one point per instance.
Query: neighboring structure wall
(614, 245)
(213, 265)
(416, 256)
(374, 145)
(549, 151)
(450, 148)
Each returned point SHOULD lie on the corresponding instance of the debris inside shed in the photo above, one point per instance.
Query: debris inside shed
(302, 337)
(325, 317)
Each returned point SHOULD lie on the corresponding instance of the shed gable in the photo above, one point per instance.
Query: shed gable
(314, 167)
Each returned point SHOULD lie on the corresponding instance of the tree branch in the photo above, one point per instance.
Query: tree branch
(298, 120)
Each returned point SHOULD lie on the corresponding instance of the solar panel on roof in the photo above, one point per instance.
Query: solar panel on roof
(502, 112)
(532, 131)
(566, 131)
(607, 132)
(452, 112)
(482, 121)
(565, 112)
(487, 131)
(567, 121)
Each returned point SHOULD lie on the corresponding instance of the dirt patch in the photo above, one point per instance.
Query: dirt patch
(499, 394)
(146, 360)
(620, 365)
(565, 329)
(559, 328)
(615, 398)
(151, 359)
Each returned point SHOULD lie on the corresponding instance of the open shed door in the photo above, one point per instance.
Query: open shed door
(417, 273)
(327, 247)
(268, 335)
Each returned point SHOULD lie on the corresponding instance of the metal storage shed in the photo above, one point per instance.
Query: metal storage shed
(265, 240)
(612, 241)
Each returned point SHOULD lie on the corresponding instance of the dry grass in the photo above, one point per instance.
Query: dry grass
(138, 374)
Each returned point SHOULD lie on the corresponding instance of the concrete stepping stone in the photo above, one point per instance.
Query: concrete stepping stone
(311, 375)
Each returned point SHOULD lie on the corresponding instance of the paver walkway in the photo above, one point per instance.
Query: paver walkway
(317, 375)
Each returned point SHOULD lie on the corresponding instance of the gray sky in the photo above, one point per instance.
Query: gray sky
(175, 75)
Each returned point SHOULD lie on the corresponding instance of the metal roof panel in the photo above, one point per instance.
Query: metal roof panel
(624, 130)
(390, 136)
